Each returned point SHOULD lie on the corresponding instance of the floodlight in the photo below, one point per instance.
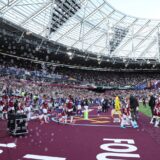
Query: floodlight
(69, 53)
(148, 62)
(28, 33)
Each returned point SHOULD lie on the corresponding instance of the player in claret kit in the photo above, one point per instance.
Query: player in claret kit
(99, 109)
(11, 104)
(44, 116)
(27, 110)
(5, 111)
(156, 114)
(1, 108)
(69, 105)
(126, 117)
(21, 107)
(64, 115)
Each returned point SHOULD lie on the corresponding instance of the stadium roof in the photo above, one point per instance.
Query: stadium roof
(95, 26)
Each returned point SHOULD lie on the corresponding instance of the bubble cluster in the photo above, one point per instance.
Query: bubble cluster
(45, 149)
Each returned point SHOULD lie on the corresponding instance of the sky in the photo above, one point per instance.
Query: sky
(138, 8)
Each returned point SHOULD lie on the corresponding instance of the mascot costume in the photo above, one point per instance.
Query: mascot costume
(116, 111)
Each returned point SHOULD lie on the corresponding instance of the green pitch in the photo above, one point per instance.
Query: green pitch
(145, 110)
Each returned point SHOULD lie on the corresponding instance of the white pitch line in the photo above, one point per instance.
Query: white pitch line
(38, 157)
(9, 145)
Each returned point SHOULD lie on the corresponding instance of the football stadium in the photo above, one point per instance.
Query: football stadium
(79, 80)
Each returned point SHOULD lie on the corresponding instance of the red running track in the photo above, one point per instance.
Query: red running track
(79, 142)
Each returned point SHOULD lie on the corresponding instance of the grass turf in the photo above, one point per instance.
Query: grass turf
(145, 110)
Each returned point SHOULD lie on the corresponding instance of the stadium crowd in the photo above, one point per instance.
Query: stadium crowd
(63, 75)
(20, 52)
(39, 100)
